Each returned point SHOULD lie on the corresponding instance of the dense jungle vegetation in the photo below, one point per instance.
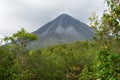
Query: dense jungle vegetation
(96, 60)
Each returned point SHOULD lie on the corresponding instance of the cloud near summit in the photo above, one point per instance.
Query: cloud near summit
(32, 14)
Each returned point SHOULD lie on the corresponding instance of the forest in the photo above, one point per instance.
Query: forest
(82, 60)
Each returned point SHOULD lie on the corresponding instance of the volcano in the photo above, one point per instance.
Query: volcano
(63, 29)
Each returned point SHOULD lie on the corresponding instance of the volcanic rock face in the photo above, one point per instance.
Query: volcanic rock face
(63, 29)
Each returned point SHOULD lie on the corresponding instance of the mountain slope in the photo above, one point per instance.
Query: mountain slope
(63, 29)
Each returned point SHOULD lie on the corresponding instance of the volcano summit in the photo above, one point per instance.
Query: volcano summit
(63, 29)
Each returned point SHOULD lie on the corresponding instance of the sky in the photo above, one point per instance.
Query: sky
(32, 14)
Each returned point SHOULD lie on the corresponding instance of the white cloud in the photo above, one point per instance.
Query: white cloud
(32, 14)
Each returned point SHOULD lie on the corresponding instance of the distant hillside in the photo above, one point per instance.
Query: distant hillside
(63, 29)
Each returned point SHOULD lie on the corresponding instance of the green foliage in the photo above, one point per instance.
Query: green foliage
(8, 69)
(108, 66)
(60, 62)
(107, 37)
(108, 27)
(24, 37)
(20, 39)
(12, 64)
(76, 61)
(85, 74)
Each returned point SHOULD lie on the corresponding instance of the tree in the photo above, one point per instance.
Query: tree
(18, 41)
(24, 38)
(108, 33)
(108, 27)
(15, 60)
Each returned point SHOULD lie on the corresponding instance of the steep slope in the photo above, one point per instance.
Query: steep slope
(63, 29)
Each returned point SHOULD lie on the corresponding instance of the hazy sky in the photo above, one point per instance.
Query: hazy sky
(32, 14)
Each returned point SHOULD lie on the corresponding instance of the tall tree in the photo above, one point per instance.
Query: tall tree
(108, 32)
(16, 46)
